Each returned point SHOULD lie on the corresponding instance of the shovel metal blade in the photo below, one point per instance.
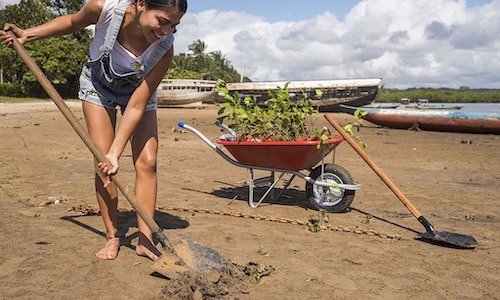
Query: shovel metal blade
(169, 265)
(450, 239)
(189, 256)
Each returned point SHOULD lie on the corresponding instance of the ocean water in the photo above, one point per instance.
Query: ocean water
(480, 107)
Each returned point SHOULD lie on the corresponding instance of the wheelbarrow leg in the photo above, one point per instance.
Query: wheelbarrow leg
(271, 189)
(285, 186)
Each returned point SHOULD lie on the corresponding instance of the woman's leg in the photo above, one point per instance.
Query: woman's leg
(144, 151)
(101, 127)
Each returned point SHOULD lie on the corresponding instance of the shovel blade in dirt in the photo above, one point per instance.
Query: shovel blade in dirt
(188, 255)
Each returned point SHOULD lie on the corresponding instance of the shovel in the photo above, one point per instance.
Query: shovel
(186, 255)
(442, 238)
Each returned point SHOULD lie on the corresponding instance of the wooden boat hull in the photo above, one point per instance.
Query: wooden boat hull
(183, 98)
(354, 92)
(180, 92)
(433, 120)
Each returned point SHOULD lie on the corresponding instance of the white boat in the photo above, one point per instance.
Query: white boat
(353, 92)
(425, 104)
(179, 92)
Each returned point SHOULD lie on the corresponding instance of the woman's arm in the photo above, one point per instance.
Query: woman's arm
(135, 109)
(87, 15)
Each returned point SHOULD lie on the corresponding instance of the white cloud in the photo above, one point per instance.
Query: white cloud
(408, 43)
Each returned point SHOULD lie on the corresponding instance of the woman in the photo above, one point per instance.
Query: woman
(126, 66)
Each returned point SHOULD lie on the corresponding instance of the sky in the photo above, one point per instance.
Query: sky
(408, 43)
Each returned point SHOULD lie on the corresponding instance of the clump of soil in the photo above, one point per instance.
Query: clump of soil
(213, 285)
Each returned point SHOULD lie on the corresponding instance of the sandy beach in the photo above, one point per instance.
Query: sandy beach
(51, 229)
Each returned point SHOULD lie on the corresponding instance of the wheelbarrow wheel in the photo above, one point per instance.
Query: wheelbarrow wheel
(327, 198)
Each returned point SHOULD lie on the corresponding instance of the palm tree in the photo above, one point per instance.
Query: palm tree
(181, 62)
(198, 48)
(220, 60)
(222, 67)
(198, 64)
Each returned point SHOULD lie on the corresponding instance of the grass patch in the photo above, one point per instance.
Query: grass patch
(5, 177)
(5, 161)
(4, 99)
(5, 174)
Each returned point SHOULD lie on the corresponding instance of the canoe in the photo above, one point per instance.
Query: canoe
(432, 120)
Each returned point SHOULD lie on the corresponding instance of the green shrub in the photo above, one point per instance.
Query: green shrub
(277, 119)
(11, 90)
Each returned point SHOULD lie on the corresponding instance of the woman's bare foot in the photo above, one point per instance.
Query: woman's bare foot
(110, 250)
(146, 248)
(151, 253)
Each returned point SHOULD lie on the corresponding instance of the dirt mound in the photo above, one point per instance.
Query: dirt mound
(214, 285)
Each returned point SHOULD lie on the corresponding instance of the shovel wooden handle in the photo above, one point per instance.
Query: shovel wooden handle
(374, 167)
(80, 130)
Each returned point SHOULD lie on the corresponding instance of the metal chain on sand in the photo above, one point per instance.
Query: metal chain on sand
(310, 223)
(314, 224)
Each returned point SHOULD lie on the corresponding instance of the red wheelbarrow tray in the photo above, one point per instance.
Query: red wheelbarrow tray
(283, 155)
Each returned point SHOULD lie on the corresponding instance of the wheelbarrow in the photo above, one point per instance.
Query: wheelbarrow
(328, 186)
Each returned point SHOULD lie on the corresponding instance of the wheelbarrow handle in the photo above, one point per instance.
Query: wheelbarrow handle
(82, 133)
(227, 128)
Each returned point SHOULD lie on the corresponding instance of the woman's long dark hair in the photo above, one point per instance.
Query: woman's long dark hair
(158, 4)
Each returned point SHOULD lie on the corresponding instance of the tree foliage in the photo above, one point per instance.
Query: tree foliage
(61, 58)
(65, 7)
(198, 64)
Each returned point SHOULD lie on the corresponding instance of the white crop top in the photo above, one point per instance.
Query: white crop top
(123, 60)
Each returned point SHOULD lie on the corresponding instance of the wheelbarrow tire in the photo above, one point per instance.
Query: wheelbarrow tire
(331, 200)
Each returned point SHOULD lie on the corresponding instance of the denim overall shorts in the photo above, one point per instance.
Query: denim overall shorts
(102, 85)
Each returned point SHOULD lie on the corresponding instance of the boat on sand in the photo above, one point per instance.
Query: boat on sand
(439, 106)
(425, 104)
(433, 120)
(180, 92)
(353, 92)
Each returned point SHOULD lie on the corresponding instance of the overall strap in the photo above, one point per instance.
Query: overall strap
(163, 47)
(114, 26)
